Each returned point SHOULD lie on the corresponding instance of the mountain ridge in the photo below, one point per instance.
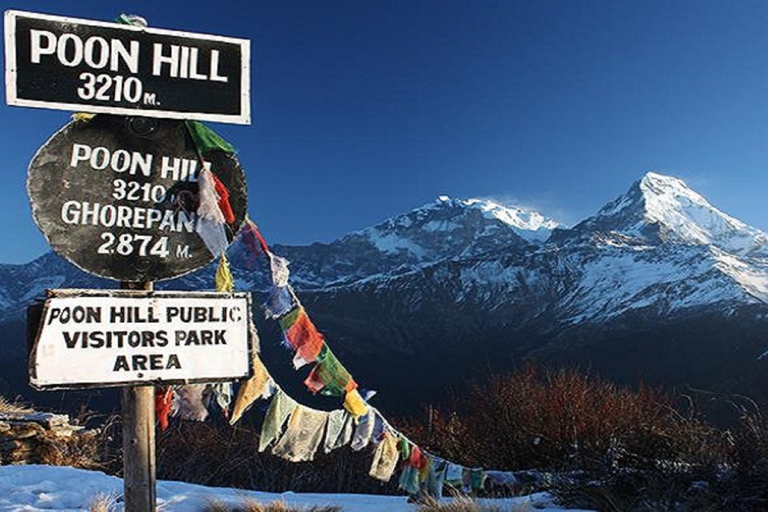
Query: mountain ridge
(641, 240)
(453, 284)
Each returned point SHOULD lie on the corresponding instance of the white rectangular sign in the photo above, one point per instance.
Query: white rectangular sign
(90, 338)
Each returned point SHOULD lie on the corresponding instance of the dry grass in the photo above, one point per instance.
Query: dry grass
(250, 505)
(459, 505)
(465, 504)
(103, 503)
(12, 407)
(80, 450)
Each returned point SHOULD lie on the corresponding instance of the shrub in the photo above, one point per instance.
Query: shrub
(80, 450)
(564, 420)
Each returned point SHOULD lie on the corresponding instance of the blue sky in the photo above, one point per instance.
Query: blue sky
(367, 109)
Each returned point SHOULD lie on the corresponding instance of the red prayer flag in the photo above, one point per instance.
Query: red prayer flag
(304, 337)
(163, 405)
(224, 206)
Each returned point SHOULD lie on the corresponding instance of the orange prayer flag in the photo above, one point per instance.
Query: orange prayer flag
(304, 337)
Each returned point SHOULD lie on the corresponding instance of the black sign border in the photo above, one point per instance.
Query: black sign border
(10, 72)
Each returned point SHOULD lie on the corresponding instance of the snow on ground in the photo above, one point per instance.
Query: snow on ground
(39, 488)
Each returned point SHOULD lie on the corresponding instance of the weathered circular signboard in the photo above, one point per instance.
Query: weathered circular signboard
(119, 197)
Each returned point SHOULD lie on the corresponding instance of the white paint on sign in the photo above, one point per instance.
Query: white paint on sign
(182, 62)
(71, 50)
(108, 340)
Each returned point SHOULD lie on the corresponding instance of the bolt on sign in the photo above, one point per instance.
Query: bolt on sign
(119, 197)
(92, 338)
(92, 66)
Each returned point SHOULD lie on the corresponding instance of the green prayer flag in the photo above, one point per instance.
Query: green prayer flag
(288, 320)
(405, 448)
(330, 371)
(206, 139)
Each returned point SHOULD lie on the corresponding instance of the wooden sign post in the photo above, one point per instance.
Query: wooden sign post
(119, 196)
(139, 461)
(139, 467)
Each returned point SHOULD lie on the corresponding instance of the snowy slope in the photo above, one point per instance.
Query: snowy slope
(40, 488)
(663, 246)
(455, 228)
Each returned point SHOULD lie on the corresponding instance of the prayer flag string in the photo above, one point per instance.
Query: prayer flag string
(422, 472)
(298, 431)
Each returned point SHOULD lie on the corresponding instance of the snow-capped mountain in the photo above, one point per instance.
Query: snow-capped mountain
(445, 229)
(455, 228)
(662, 246)
(661, 208)
(456, 282)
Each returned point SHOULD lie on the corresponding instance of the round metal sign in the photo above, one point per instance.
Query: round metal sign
(120, 197)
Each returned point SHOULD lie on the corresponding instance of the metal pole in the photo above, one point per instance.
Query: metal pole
(139, 468)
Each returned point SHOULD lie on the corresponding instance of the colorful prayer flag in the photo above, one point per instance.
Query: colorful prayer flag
(279, 410)
(224, 205)
(279, 268)
(279, 302)
(208, 206)
(328, 376)
(206, 140)
(224, 281)
(253, 247)
(304, 337)
(222, 392)
(384, 459)
(303, 436)
(287, 321)
(354, 403)
(251, 390)
(163, 405)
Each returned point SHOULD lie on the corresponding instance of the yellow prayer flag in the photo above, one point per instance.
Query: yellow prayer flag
(224, 280)
(82, 116)
(354, 403)
(250, 390)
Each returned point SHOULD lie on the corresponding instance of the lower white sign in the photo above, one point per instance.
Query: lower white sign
(90, 338)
